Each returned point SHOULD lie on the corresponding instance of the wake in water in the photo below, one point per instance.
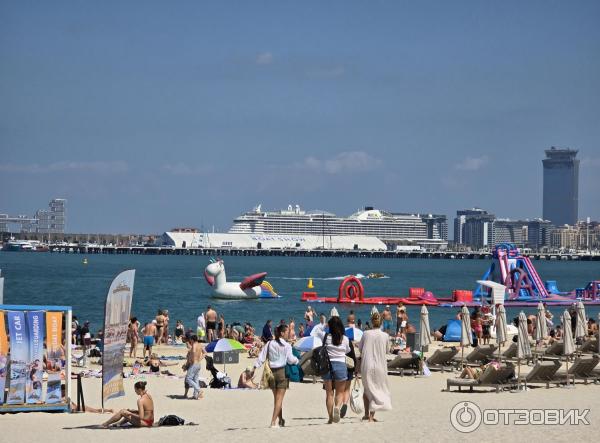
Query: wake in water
(340, 277)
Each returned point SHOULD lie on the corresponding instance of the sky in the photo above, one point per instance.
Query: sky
(151, 115)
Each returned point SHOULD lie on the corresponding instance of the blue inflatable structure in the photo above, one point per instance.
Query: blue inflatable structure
(452, 331)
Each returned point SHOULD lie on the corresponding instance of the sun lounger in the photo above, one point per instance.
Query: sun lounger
(582, 369)
(401, 362)
(543, 372)
(556, 349)
(442, 359)
(490, 378)
(511, 354)
(480, 354)
(590, 345)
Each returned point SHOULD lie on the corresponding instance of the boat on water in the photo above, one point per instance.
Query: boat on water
(25, 246)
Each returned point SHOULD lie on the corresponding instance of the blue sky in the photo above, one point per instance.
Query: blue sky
(150, 115)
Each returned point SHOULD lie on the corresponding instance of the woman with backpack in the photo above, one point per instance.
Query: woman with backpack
(277, 353)
(334, 382)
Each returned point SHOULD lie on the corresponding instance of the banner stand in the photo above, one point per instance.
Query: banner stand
(64, 405)
(80, 399)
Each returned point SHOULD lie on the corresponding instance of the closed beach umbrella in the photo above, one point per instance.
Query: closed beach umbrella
(568, 334)
(523, 347)
(569, 343)
(353, 334)
(466, 338)
(581, 324)
(334, 312)
(306, 344)
(425, 333)
(501, 330)
(541, 328)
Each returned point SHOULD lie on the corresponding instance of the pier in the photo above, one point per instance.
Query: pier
(221, 252)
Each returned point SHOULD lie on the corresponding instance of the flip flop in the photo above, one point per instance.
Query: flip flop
(343, 410)
(336, 414)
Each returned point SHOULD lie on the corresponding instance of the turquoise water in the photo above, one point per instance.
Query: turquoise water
(176, 283)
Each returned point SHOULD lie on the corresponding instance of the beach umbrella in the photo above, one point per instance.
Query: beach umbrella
(424, 332)
(374, 311)
(541, 327)
(466, 337)
(523, 347)
(568, 342)
(581, 323)
(306, 344)
(501, 331)
(334, 312)
(353, 334)
(224, 345)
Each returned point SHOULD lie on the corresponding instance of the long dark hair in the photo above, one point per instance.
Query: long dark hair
(336, 329)
(279, 332)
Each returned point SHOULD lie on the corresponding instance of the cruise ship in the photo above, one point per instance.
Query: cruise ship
(428, 231)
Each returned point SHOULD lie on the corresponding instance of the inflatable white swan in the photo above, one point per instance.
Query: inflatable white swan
(251, 287)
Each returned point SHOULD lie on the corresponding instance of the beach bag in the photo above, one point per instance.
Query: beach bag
(268, 379)
(320, 362)
(171, 420)
(356, 397)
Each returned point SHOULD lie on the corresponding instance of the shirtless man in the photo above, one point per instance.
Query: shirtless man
(211, 324)
(194, 357)
(149, 333)
(387, 320)
(160, 324)
(351, 319)
(399, 316)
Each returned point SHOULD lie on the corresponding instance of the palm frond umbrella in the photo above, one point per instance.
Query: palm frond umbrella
(581, 323)
(501, 329)
(425, 332)
(523, 347)
(466, 336)
(569, 343)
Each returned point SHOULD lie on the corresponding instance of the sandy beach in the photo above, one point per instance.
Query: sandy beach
(421, 412)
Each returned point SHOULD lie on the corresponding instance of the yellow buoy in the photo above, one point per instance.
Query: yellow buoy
(310, 284)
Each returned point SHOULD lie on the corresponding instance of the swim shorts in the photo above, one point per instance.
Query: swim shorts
(387, 325)
(148, 340)
(211, 325)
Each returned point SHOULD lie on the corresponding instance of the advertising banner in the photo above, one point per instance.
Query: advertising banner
(3, 356)
(35, 367)
(116, 319)
(1, 290)
(56, 356)
(19, 356)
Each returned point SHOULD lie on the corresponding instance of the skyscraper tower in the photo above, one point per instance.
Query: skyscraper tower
(561, 186)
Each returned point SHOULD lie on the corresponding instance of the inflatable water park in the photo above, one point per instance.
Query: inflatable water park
(252, 287)
(510, 270)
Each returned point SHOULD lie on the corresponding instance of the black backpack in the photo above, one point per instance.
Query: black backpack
(171, 420)
(320, 362)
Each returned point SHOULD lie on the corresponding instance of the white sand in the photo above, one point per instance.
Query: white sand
(421, 413)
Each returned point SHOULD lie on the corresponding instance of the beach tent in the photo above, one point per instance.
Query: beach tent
(452, 331)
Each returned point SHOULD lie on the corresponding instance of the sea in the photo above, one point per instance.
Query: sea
(177, 283)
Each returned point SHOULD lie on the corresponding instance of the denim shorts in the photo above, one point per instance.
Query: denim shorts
(339, 372)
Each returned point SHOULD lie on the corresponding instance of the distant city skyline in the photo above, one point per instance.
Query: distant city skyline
(149, 118)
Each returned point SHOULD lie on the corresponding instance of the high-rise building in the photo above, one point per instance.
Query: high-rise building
(45, 221)
(474, 228)
(561, 186)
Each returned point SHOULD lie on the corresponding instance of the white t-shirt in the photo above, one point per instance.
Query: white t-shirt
(336, 353)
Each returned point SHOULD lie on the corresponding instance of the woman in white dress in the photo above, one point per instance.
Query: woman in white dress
(373, 368)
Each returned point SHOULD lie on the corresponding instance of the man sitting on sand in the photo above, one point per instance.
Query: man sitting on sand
(246, 381)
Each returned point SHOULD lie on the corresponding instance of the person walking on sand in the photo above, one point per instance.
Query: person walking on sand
(149, 332)
(279, 353)
(373, 367)
(140, 418)
(211, 324)
(133, 335)
(334, 382)
(194, 357)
